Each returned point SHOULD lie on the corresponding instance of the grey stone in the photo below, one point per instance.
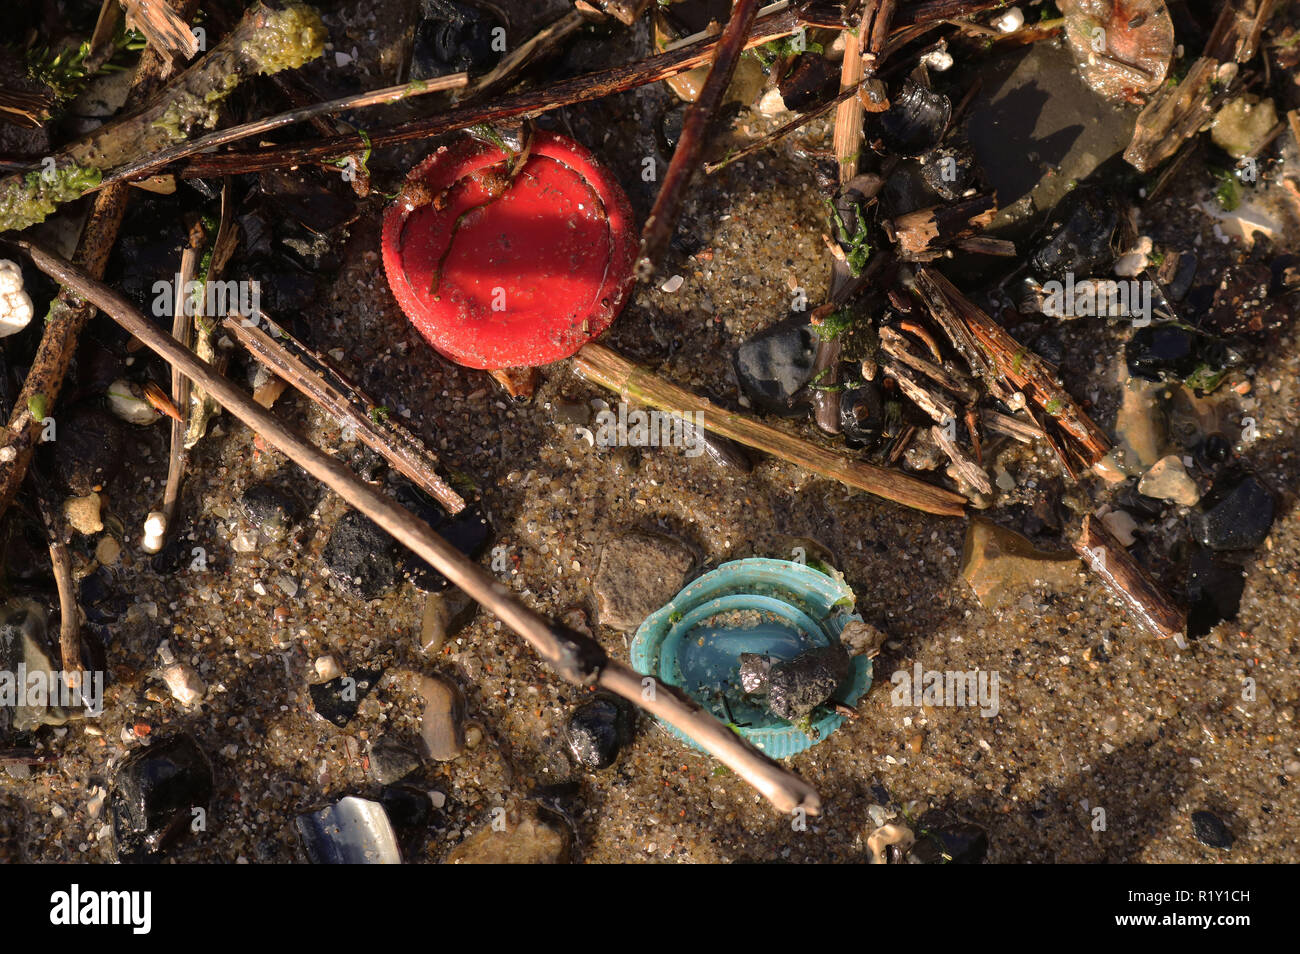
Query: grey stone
(638, 573)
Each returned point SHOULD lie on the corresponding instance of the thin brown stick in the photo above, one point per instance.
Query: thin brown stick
(69, 614)
(146, 165)
(700, 117)
(315, 376)
(182, 325)
(590, 86)
(1126, 578)
(611, 370)
(576, 658)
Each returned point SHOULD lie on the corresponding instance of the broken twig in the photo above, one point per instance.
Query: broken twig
(315, 376)
(1125, 578)
(700, 116)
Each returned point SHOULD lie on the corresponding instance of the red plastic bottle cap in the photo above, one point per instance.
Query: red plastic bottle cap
(498, 273)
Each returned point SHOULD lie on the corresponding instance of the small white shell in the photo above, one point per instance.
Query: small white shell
(15, 304)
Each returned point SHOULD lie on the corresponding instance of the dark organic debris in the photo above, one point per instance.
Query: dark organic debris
(1211, 831)
(795, 687)
(360, 557)
(1236, 514)
(1077, 240)
(916, 120)
(158, 794)
(942, 838)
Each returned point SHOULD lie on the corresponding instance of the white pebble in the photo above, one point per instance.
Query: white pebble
(938, 60)
(1011, 21)
(326, 669)
(15, 304)
(124, 400)
(184, 684)
(672, 284)
(155, 528)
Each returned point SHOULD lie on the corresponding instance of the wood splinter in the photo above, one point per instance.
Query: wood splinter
(1125, 578)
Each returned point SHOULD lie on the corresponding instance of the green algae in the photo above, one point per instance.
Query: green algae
(29, 200)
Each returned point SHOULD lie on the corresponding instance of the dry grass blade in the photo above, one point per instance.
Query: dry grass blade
(611, 370)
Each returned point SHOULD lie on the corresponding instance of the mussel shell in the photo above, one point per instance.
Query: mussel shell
(453, 37)
(862, 414)
(1078, 237)
(916, 120)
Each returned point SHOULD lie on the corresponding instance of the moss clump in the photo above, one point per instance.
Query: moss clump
(287, 39)
(293, 36)
(29, 200)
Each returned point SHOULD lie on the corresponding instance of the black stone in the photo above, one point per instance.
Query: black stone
(337, 700)
(915, 121)
(453, 37)
(391, 761)
(595, 732)
(1236, 514)
(1077, 239)
(1162, 351)
(88, 450)
(775, 364)
(409, 810)
(153, 796)
(950, 168)
(1214, 589)
(1210, 830)
(797, 686)
(1171, 351)
(1214, 450)
(102, 596)
(360, 557)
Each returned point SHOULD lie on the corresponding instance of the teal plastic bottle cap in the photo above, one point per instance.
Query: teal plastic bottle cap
(774, 608)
